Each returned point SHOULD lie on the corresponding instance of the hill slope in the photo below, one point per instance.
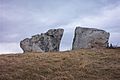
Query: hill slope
(84, 64)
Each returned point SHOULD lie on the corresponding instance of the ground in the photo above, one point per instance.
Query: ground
(84, 64)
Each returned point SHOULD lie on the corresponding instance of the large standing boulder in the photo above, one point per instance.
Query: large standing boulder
(45, 42)
(90, 38)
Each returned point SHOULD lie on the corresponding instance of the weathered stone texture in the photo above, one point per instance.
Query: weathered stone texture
(90, 38)
(45, 42)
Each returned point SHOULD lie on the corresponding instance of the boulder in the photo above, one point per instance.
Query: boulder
(44, 42)
(90, 38)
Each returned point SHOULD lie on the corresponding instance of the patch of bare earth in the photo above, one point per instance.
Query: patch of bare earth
(84, 64)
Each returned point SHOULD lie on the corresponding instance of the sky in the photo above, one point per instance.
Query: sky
(20, 19)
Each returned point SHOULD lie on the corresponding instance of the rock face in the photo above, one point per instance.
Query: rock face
(90, 38)
(45, 42)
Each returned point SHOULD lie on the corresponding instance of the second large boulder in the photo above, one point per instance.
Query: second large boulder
(90, 38)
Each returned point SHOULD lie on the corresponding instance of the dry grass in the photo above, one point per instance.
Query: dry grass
(84, 64)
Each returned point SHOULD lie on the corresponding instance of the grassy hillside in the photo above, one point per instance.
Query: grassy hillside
(84, 64)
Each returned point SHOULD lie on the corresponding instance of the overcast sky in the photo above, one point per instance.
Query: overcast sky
(23, 18)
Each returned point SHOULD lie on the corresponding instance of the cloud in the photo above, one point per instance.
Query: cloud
(115, 39)
(9, 48)
(107, 19)
(24, 18)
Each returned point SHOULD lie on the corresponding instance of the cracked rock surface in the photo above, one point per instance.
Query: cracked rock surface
(90, 38)
(44, 42)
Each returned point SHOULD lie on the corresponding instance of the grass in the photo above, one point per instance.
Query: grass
(84, 64)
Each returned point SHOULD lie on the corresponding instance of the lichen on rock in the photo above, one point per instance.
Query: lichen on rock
(90, 38)
(44, 42)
